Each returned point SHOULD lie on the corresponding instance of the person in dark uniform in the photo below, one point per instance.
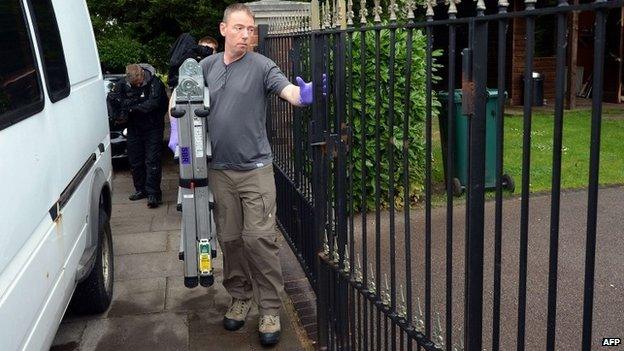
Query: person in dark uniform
(142, 99)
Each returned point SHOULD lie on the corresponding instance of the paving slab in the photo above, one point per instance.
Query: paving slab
(147, 265)
(136, 208)
(131, 225)
(161, 331)
(138, 296)
(182, 299)
(151, 307)
(140, 243)
(166, 222)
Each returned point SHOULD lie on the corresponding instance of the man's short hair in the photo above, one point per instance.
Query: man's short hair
(207, 41)
(235, 8)
(134, 74)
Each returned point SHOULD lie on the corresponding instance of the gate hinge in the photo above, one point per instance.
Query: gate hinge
(333, 142)
(468, 86)
(316, 138)
(330, 142)
(468, 96)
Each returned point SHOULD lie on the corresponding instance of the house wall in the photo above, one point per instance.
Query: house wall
(544, 65)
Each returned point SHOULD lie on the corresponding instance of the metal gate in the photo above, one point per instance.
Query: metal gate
(356, 195)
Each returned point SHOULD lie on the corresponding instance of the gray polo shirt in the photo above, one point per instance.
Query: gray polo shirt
(238, 99)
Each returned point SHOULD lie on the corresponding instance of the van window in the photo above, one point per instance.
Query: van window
(20, 86)
(49, 38)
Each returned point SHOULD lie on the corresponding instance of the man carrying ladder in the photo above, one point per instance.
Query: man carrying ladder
(240, 172)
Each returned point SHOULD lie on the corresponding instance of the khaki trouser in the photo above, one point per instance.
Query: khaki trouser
(245, 217)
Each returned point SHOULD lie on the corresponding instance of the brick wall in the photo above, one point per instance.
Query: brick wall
(544, 65)
(253, 41)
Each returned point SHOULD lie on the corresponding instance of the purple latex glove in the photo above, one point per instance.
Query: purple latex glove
(173, 135)
(305, 91)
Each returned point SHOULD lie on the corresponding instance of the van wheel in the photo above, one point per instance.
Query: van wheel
(95, 293)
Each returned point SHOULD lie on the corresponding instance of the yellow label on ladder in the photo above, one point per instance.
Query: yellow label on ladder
(204, 257)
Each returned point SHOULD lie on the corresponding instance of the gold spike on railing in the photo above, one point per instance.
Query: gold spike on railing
(385, 292)
(410, 6)
(337, 14)
(530, 4)
(327, 17)
(438, 333)
(345, 261)
(419, 322)
(503, 3)
(358, 269)
(371, 280)
(377, 11)
(452, 4)
(314, 22)
(402, 308)
(350, 12)
(460, 341)
(363, 12)
(430, 4)
(325, 245)
(335, 253)
(392, 10)
(480, 5)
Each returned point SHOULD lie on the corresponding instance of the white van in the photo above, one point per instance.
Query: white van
(55, 171)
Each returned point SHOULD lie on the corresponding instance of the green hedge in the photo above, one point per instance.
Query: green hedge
(416, 114)
(119, 49)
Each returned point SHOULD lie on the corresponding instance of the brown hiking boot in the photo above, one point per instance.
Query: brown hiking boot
(234, 319)
(269, 328)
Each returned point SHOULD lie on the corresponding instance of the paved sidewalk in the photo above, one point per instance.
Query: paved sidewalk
(151, 309)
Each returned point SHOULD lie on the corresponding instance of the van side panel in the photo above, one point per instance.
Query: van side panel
(78, 40)
(28, 175)
(39, 157)
(52, 308)
(81, 118)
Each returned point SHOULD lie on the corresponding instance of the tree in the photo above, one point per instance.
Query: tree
(129, 31)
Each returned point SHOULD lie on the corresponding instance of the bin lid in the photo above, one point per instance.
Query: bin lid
(492, 93)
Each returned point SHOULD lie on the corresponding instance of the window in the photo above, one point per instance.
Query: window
(20, 86)
(51, 49)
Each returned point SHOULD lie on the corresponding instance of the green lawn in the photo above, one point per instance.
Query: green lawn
(575, 156)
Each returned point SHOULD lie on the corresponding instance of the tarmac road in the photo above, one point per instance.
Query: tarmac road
(609, 275)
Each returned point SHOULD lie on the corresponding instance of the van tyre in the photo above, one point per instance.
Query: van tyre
(95, 293)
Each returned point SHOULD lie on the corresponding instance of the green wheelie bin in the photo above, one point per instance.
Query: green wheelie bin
(460, 145)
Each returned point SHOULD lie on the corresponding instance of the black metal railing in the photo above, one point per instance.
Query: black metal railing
(357, 197)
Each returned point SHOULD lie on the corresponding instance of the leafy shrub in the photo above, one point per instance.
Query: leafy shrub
(416, 115)
(118, 49)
